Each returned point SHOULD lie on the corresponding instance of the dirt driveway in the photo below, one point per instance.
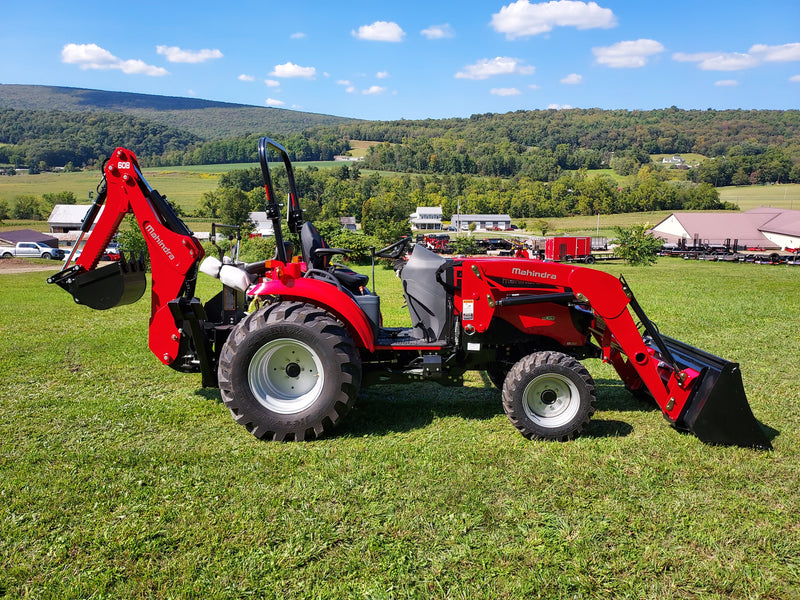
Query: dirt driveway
(23, 265)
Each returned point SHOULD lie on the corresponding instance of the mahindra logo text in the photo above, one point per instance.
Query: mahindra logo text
(526, 273)
(157, 239)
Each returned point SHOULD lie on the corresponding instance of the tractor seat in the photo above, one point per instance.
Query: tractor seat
(316, 254)
(350, 279)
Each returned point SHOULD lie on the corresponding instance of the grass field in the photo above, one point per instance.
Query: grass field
(786, 195)
(182, 185)
(120, 478)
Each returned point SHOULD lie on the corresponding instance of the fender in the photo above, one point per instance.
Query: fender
(325, 296)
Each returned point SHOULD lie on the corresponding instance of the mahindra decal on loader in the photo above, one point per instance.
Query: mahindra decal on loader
(291, 340)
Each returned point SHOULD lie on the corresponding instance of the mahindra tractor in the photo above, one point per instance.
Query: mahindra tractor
(290, 340)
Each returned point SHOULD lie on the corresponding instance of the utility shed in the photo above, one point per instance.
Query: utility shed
(766, 228)
(68, 217)
(27, 235)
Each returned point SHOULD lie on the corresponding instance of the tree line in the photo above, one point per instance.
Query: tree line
(665, 131)
(539, 144)
(383, 204)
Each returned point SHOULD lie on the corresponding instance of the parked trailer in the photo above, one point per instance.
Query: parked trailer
(574, 249)
(728, 251)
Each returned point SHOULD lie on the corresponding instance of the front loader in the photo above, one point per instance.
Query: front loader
(291, 340)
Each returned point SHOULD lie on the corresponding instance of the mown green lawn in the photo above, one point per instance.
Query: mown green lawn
(747, 197)
(120, 478)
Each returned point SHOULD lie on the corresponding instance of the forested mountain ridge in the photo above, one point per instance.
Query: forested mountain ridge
(206, 119)
(82, 126)
(661, 131)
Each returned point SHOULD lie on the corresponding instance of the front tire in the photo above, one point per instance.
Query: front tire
(289, 371)
(549, 396)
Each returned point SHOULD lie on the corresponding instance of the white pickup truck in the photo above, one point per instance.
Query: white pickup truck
(31, 250)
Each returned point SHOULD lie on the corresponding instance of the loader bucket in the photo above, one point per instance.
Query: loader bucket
(117, 284)
(718, 411)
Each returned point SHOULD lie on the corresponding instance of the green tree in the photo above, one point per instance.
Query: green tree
(636, 246)
(234, 208)
(131, 240)
(28, 207)
(209, 205)
(63, 197)
(541, 225)
(464, 245)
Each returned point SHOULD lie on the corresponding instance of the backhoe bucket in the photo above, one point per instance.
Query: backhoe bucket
(116, 284)
(717, 411)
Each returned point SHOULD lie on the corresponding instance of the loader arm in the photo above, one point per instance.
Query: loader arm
(174, 253)
(695, 390)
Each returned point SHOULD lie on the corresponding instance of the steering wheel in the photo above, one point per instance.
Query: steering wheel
(393, 250)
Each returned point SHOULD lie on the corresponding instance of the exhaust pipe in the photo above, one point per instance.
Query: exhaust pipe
(117, 284)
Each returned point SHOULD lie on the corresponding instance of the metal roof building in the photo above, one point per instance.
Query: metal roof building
(765, 228)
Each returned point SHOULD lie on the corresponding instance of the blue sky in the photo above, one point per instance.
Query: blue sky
(415, 59)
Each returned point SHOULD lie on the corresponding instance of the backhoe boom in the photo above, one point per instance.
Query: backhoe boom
(174, 253)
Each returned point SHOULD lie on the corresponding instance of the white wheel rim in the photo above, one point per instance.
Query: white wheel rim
(551, 400)
(286, 376)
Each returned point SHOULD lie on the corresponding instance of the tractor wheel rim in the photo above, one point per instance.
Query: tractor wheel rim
(286, 376)
(551, 400)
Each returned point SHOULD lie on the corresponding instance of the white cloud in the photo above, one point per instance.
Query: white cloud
(559, 106)
(737, 61)
(505, 92)
(795, 78)
(274, 102)
(629, 54)
(523, 19)
(784, 53)
(380, 31)
(438, 32)
(572, 79)
(718, 61)
(290, 70)
(178, 55)
(382, 74)
(726, 83)
(500, 65)
(92, 56)
(374, 90)
(695, 57)
(297, 36)
(272, 83)
(245, 77)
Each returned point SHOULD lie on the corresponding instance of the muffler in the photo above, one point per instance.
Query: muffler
(717, 412)
(117, 284)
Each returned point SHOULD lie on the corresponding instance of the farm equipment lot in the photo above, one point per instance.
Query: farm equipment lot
(124, 479)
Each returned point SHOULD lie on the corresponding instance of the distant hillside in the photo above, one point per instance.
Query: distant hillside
(206, 119)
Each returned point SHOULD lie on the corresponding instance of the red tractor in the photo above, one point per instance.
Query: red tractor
(290, 341)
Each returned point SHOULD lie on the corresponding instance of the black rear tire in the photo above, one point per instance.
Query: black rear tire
(549, 396)
(289, 371)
